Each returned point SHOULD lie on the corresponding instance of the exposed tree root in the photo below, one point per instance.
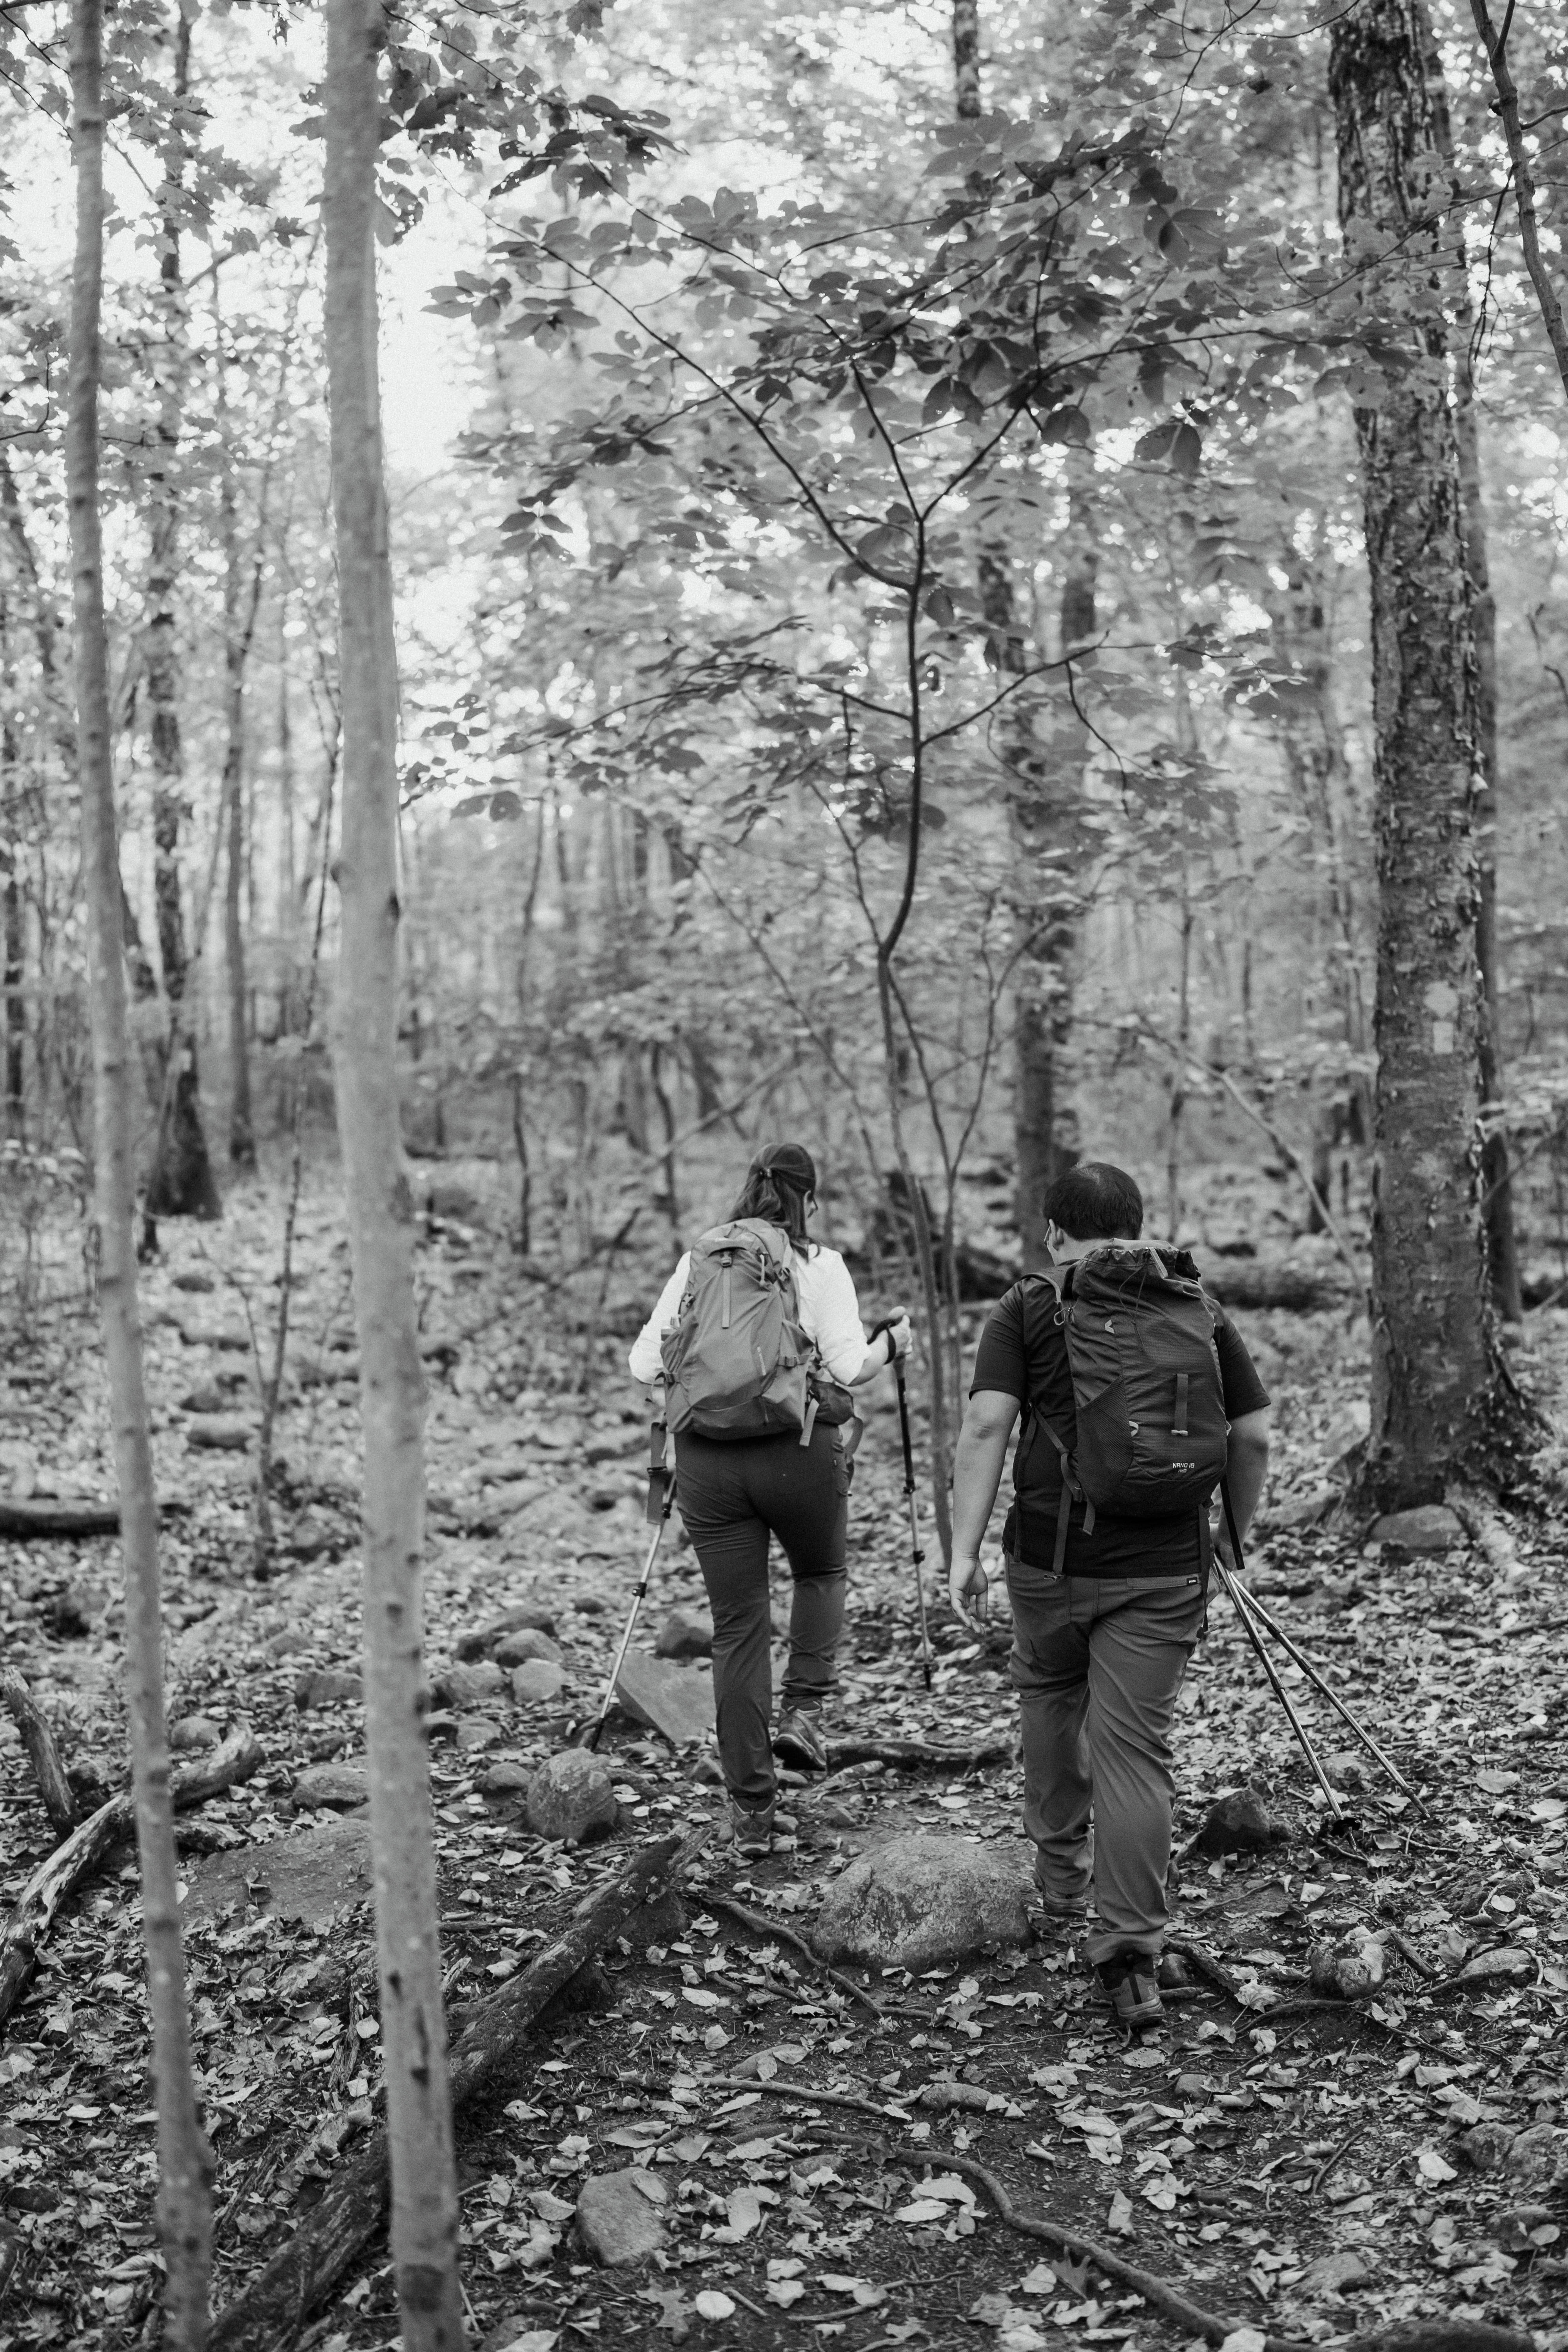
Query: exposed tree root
(20, 1521)
(774, 1930)
(916, 1751)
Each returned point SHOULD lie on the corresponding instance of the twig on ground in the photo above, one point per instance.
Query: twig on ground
(917, 1751)
(1331, 2163)
(777, 2090)
(33, 1913)
(1207, 1966)
(1155, 2291)
(761, 1925)
(59, 1803)
(353, 2207)
(1407, 1951)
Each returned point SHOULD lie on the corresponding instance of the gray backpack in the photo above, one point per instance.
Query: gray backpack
(736, 1362)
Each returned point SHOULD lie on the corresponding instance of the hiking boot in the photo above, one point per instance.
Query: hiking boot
(751, 1827)
(1131, 1981)
(799, 1740)
(1072, 1910)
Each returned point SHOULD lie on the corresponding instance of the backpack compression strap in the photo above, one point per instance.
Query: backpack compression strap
(1071, 1492)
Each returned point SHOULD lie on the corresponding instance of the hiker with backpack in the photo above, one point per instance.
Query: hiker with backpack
(1138, 1401)
(758, 1341)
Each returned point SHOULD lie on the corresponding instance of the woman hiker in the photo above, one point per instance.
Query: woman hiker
(736, 1492)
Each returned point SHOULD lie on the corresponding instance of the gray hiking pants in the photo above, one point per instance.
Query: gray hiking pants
(734, 1495)
(1096, 1663)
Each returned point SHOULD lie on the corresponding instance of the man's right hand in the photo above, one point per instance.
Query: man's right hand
(968, 1587)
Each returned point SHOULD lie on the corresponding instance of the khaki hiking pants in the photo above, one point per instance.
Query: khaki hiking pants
(1096, 1663)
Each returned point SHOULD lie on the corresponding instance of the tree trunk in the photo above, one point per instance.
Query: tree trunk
(14, 1118)
(381, 1225)
(1497, 1189)
(1435, 1381)
(185, 2193)
(182, 1183)
(236, 636)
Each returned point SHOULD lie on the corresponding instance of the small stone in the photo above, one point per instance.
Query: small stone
(572, 1796)
(921, 1901)
(1330, 2273)
(1510, 1961)
(588, 1604)
(206, 1398)
(215, 1436)
(341, 1786)
(1304, 1510)
(456, 1202)
(1431, 1526)
(685, 1634)
(322, 1686)
(1485, 2144)
(194, 1731)
(479, 1641)
(1539, 2157)
(617, 2223)
(661, 1922)
(462, 1687)
(526, 1644)
(504, 1780)
(308, 1539)
(1348, 1968)
(475, 1732)
(1239, 1824)
(288, 1645)
(193, 1280)
(1346, 1770)
(1516, 2230)
(673, 1700)
(538, 1682)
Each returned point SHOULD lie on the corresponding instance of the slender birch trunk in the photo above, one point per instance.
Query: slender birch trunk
(185, 2160)
(236, 638)
(380, 1225)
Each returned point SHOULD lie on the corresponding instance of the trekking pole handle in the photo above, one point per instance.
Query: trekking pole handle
(898, 1314)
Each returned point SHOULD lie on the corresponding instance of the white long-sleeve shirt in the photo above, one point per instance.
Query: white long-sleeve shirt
(829, 1316)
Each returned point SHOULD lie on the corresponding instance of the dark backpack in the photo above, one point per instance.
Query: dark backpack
(1150, 1402)
(736, 1362)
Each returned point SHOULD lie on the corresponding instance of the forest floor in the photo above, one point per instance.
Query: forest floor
(1296, 2168)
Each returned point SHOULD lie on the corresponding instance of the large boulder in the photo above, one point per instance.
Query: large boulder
(342, 1786)
(311, 1875)
(617, 2216)
(919, 1902)
(675, 1701)
(1431, 1526)
(572, 1796)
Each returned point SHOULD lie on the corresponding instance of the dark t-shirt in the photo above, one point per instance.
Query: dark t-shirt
(1022, 1354)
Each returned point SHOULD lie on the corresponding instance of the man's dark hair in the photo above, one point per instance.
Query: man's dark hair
(1095, 1202)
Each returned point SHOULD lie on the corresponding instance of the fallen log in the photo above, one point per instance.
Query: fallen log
(916, 1751)
(353, 2205)
(75, 1861)
(25, 1519)
(59, 1803)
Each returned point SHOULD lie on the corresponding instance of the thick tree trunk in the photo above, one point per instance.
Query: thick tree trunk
(185, 2194)
(380, 1225)
(181, 1183)
(13, 1117)
(1497, 1194)
(1435, 1379)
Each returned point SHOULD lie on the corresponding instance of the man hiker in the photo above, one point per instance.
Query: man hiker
(1139, 1397)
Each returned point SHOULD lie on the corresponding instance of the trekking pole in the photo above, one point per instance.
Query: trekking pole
(657, 1472)
(1240, 1601)
(1250, 1627)
(1314, 1675)
(915, 1547)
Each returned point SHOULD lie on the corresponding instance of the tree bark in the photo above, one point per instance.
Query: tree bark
(59, 1803)
(13, 1117)
(1503, 1248)
(237, 634)
(381, 1225)
(182, 1183)
(1435, 1381)
(185, 2193)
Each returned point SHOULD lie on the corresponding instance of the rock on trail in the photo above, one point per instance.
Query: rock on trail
(572, 1796)
(618, 2220)
(921, 1901)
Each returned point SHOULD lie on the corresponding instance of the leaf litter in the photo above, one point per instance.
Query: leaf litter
(1350, 2165)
